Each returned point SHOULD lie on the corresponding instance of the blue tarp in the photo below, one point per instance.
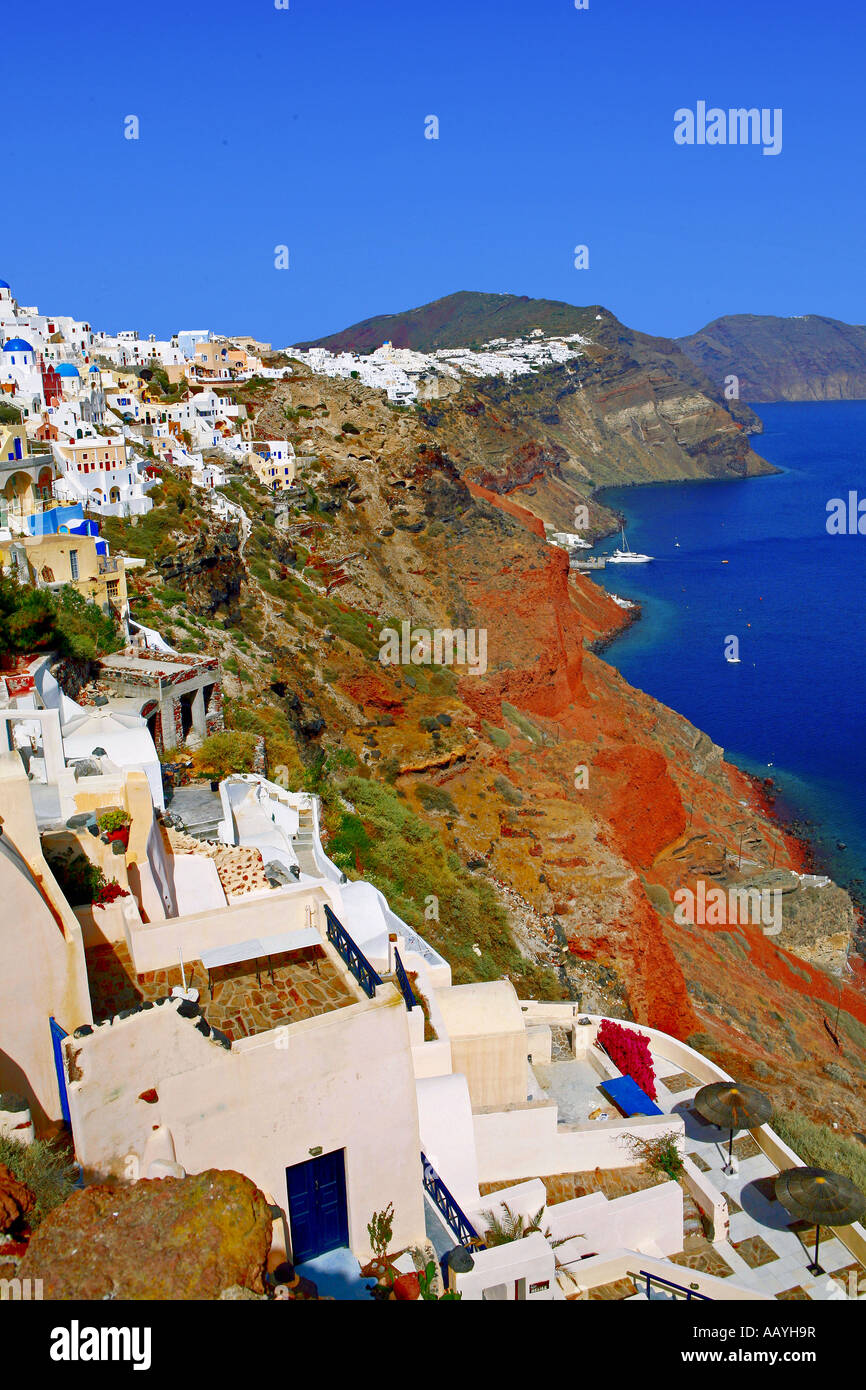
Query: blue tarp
(628, 1096)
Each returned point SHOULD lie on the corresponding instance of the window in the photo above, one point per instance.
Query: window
(73, 563)
(112, 587)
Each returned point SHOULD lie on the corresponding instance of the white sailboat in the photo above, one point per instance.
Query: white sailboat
(624, 556)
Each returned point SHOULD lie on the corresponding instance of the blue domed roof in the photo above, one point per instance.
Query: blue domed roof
(67, 369)
(4, 285)
(17, 345)
(94, 368)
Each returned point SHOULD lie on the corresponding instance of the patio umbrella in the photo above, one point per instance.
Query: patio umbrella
(828, 1199)
(730, 1106)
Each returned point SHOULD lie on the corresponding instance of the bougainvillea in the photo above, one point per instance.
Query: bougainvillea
(109, 892)
(630, 1051)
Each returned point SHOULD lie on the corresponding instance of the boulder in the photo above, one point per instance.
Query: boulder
(162, 1238)
(16, 1199)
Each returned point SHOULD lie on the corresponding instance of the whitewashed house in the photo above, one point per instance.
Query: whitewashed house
(99, 472)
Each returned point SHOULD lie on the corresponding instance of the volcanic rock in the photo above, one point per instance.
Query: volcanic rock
(162, 1238)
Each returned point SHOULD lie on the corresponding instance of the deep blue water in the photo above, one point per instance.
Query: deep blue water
(793, 595)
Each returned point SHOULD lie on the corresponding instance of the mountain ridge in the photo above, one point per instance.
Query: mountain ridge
(807, 357)
(457, 320)
(797, 358)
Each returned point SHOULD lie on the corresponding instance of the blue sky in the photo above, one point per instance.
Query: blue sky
(305, 127)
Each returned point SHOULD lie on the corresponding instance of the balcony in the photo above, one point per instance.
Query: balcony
(107, 564)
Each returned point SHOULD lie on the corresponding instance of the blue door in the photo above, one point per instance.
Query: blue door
(57, 1036)
(317, 1205)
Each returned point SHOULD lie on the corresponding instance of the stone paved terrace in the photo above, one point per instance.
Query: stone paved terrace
(768, 1250)
(240, 1007)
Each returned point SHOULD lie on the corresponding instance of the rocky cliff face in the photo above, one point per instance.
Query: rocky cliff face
(805, 358)
(207, 568)
(583, 804)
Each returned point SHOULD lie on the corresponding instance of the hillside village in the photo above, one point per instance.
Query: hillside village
(272, 910)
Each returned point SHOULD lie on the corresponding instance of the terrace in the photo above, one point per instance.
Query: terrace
(744, 1234)
(246, 998)
(767, 1250)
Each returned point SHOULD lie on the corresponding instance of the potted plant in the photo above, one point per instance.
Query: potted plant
(82, 883)
(114, 824)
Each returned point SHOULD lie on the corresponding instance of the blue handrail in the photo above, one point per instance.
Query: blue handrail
(680, 1288)
(448, 1207)
(403, 981)
(354, 957)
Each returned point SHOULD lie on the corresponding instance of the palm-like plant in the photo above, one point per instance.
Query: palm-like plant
(507, 1225)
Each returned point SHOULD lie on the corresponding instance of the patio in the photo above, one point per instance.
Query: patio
(574, 1085)
(305, 983)
(767, 1251)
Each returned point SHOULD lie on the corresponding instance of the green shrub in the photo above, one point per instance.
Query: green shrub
(507, 790)
(223, 753)
(348, 842)
(838, 1073)
(660, 899)
(659, 1155)
(435, 799)
(526, 727)
(65, 621)
(497, 736)
(850, 1026)
(819, 1146)
(170, 597)
(45, 1168)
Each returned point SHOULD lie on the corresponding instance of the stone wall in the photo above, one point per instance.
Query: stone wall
(215, 721)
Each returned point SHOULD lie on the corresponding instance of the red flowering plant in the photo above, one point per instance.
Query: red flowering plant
(81, 881)
(630, 1051)
(108, 893)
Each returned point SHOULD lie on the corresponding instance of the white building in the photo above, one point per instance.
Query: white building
(21, 376)
(99, 472)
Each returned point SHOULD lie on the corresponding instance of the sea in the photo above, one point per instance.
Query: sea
(753, 560)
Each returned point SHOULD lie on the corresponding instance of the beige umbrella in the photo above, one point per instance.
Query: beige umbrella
(732, 1106)
(816, 1194)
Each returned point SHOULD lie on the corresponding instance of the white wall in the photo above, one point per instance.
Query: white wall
(530, 1261)
(341, 1080)
(447, 1137)
(650, 1220)
(524, 1141)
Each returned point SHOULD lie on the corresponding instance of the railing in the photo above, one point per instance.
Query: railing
(403, 982)
(108, 565)
(668, 1284)
(448, 1207)
(354, 957)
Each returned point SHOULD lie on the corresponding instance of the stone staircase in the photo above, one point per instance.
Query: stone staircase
(302, 844)
(200, 811)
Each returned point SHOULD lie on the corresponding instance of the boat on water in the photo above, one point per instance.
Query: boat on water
(624, 556)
